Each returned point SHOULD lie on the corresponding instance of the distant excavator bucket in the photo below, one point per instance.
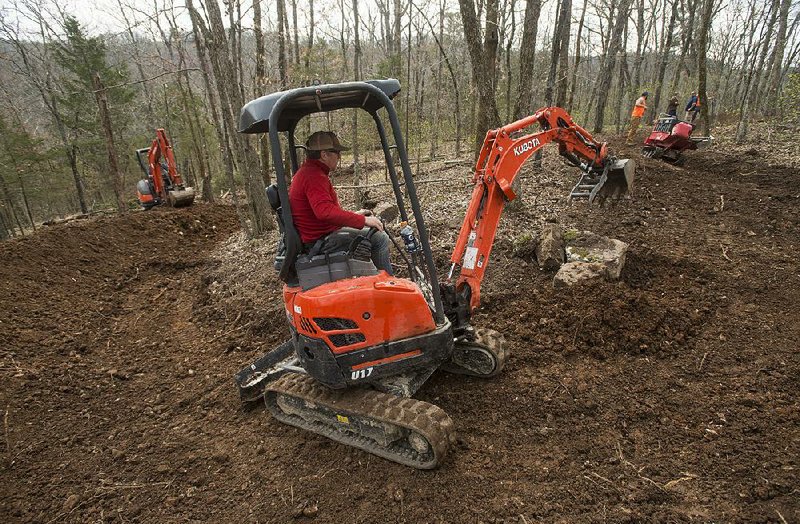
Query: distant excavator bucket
(614, 182)
(181, 197)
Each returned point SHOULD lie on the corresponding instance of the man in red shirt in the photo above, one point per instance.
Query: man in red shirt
(315, 207)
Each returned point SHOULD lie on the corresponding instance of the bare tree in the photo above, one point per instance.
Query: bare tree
(482, 61)
(117, 178)
(653, 110)
(607, 67)
(702, 44)
(573, 81)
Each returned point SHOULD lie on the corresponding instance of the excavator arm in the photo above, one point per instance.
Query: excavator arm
(162, 147)
(501, 157)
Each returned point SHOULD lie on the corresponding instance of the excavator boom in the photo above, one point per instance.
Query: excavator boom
(503, 153)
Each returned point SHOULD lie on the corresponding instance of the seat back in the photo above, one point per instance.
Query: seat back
(274, 199)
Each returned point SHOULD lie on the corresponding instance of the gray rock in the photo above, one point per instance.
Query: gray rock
(388, 212)
(590, 257)
(550, 247)
(588, 247)
(573, 273)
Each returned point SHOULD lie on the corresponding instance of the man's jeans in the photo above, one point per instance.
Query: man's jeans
(379, 245)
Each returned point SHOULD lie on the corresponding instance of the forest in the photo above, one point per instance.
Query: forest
(464, 68)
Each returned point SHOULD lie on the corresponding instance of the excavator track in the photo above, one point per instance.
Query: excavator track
(482, 356)
(404, 430)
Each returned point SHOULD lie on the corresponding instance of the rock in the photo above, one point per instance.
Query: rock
(524, 246)
(310, 511)
(117, 454)
(162, 468)
(573, 273)
(115, 373)
(388, 212)
(71, 502)
(550, 247)
(598, 256)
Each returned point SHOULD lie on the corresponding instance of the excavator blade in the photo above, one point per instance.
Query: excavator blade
(181, 197)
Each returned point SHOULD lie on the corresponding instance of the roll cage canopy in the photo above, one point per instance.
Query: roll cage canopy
(302, 101)
(280, 112)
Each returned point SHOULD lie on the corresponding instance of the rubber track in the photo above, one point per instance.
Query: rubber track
(426, 419)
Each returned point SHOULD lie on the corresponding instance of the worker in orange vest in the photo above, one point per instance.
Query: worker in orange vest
(636, 115)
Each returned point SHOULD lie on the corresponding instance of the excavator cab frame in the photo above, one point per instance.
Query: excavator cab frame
(280, 113)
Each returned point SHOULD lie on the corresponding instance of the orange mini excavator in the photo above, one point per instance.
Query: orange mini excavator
(362, 341)
(162, 183)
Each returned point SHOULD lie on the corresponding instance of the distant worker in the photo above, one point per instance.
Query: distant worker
(692, 107)
(315, 207)
(672, 107)
(636, 115)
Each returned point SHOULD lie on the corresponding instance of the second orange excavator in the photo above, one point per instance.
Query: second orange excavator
(162, 183)
(363, 342)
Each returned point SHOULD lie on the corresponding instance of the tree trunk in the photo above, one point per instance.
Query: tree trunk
(294, 34)
(653, 110)
(482, 68)
(244, 156)
(607, 68)
(117, 179)
(358, 192)
(509, 72)
(527, 56)
(686, 35)
(282, 65)
(702, 45)
(776, 60)
(563, 11)
(755, 91)
(563, 55)
(573, 81)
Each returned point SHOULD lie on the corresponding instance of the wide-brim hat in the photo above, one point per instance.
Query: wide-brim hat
(324, 141)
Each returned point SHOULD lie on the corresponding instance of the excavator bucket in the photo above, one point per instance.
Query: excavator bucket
(613, 182)
(181, 197)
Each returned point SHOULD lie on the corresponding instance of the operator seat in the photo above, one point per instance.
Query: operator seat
(336, 256)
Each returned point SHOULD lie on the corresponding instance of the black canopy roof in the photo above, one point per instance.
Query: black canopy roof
(306, 100)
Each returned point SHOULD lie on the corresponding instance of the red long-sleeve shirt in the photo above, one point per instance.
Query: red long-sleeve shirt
(315, 206)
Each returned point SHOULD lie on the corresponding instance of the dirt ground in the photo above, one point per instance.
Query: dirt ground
(670, 396)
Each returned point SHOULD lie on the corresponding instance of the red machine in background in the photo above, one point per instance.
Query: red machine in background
(162, 183)
(670, 138)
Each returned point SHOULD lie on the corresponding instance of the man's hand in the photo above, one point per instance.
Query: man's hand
(375, 222)
(365, 212)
